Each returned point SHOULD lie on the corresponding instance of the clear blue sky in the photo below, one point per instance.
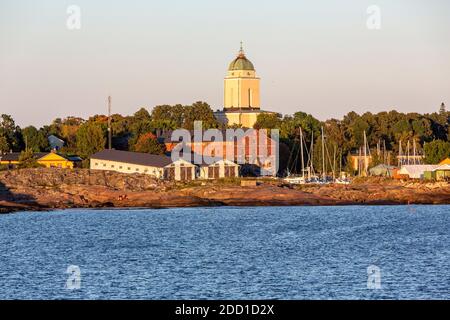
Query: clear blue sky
(314, 56)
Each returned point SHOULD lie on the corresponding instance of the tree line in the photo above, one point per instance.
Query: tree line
(137, 132)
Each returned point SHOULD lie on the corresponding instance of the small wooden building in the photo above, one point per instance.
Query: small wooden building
(219, 169)
(442, 172)
(180, 170)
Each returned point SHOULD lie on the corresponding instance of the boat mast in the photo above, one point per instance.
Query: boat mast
(334, 164)
(311, 154)
(407, 153)
(323, 157)
(359, 162)
(301, 150)
(365, 154)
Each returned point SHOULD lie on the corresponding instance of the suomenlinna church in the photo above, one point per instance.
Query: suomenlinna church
(241, 108)
(241, 105)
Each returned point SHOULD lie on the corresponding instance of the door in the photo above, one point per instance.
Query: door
(227, 171)
(210, 173)
(216, 172)
(169, 173)
(188, 174)
(183, 173)
(232, 171)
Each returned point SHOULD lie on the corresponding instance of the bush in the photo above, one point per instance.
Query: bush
(27, 160)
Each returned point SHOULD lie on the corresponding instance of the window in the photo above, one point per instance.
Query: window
(96, 164)
(129, 168)
(120, 167)
(104, 164)
(112, 166)
(137, 169)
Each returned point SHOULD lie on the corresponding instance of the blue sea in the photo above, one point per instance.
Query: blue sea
(347, 252)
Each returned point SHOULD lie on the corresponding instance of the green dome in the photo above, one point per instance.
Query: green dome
(241, 63)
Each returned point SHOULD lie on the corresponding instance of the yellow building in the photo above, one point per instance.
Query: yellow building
(47, 159)
(241, 94)
(360, 162)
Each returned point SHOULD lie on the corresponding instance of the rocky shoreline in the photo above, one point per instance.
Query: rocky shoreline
(47, 189)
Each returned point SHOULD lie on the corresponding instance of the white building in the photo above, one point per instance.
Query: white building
(220, 169)
(158, 166)
(416, 171)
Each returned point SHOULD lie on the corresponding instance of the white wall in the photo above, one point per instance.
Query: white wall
(96, 164)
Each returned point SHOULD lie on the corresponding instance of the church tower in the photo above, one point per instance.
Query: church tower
(241, 103)
(241, 87)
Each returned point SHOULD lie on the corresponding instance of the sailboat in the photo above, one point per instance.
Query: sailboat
(297, 179)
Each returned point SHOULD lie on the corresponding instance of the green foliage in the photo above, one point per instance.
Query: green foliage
(199, 111)
(140, 122)
(436, 151)
(35, 139)
(28, 160)
(178, 116)
(10, 135)
(4, 146)
(91, 138)
(267, 121)
(87, 137)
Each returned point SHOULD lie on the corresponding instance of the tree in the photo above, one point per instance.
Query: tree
(436, 151)
(148, 143)
(11, 133)
(28, 160)
(168, 117)
(267, 121)
(199, 111)
(90, 139)
(140, 122)
(35, 139)
(4, 146)
(178, 116)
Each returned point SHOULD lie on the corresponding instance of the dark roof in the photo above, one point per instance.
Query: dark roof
(138, 158)
(14, 156)
(73, 158)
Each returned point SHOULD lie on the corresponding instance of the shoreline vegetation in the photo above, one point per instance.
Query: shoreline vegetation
(50, 188)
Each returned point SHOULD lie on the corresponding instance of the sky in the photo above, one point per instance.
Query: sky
(319, 57)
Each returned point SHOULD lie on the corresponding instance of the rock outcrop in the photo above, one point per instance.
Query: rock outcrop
(43, 189)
